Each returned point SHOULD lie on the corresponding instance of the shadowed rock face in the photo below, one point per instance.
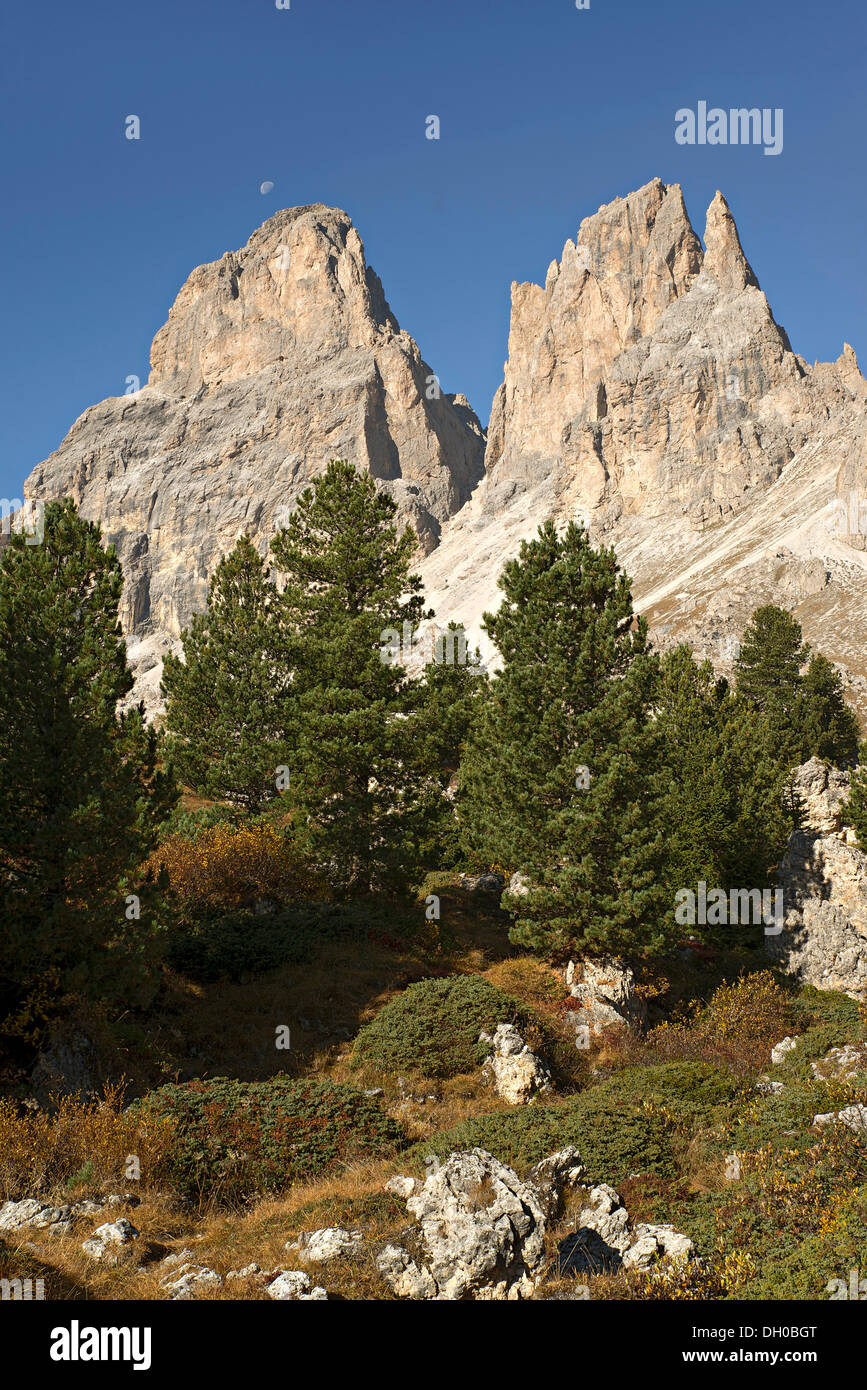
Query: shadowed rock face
(274, 359)
(823, 876)
(650, 394)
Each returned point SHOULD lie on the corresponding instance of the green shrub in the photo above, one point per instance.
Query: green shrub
(191, 823)
(632, 1123)
(244, 942)
(234, 1139)
(780, 1122)
(695, 1093)
(815, 1043)
(614, 1142)
(433, 1027)
(817, 1006)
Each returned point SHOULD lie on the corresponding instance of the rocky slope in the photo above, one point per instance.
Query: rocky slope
(274, 359)
(650, 393)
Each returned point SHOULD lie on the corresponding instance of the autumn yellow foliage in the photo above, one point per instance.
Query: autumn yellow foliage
(227, 867)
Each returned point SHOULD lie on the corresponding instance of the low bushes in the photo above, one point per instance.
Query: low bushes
(433, 1027)
(82, 1144)
(245, 943)
(735, 1028)
(614, 1141)
(635, 1122)
(234, 1139)
(224, 867)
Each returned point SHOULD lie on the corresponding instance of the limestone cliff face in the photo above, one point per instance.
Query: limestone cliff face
(823, 876)
(650, 393)
(649, 375)
(274, 359)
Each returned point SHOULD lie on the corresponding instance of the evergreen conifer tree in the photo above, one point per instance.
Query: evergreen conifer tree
(724, 808)
(806, 713)
(350, 604)
(228, 712)
(81, 790)
(449, 701)
(830, 727)
(560, 774)
(856, 808)
(771, 656)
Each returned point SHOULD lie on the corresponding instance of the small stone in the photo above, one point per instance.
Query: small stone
(179, 1257)
(783, 1049)
(182, 1283)
(120, 1232)
(400, 1186)
(333, 1242)
(768, 1087)
(292, 1284)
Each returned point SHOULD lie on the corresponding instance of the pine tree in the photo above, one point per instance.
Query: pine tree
(856, 807)
(806, 713)
(81, 790)
(560, 772)
(768, 673)
(830, 729)
(448, 703)
(229, 701)
(771, 656)
(349, 600)
(724, 809)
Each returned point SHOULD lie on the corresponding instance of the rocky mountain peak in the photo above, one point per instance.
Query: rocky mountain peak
(274, 359)
(650, 393)
(724, 260)
(300, 281)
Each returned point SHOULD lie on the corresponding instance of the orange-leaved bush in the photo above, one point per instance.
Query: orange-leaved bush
(227, 867)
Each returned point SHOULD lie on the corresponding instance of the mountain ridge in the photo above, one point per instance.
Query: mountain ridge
(648, 392)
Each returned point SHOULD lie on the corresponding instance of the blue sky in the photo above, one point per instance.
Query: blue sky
(546, 112)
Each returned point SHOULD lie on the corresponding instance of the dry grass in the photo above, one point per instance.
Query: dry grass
(222, 1241)
(80, 1146)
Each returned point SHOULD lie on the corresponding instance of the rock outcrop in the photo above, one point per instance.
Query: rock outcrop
(842, 1063)
(482, 1234)
(604, 1241)
(605, 989)
(274, 359)
(650, 393)
(823, 876)
(331, 1243)
(483, 1230)
(31, 1212)
(515, 1070)
(854, 1117)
